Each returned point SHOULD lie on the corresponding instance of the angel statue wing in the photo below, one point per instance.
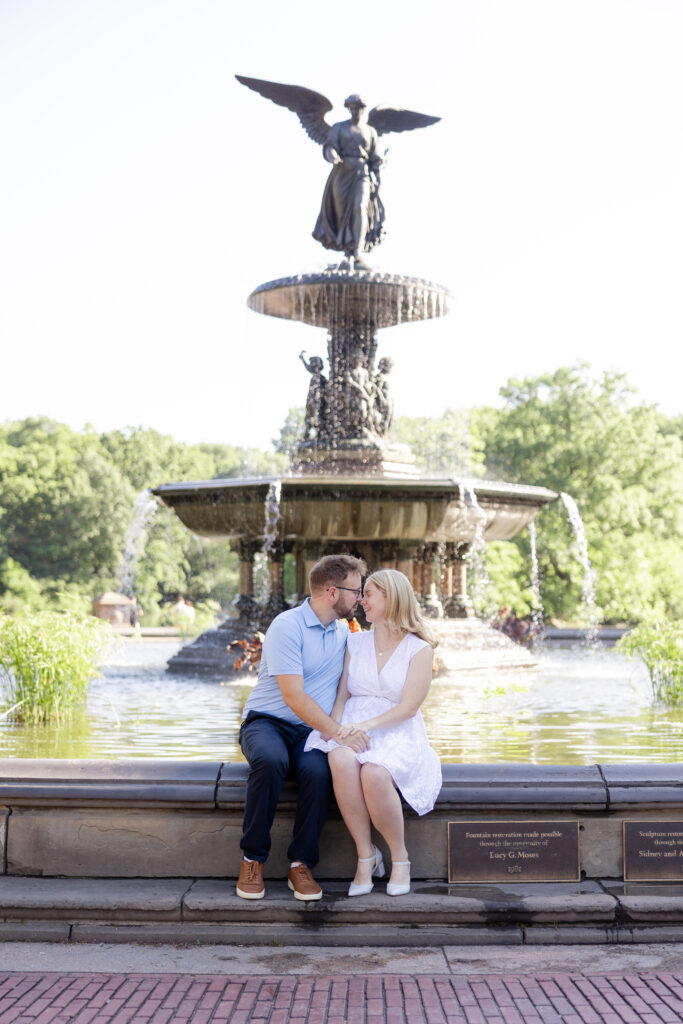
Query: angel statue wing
(390, 119)
(310, 107)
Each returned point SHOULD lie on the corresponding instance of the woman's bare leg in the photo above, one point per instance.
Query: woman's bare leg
(386, 812)
(349, 793)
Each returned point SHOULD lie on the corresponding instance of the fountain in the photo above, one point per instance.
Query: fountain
(349, 487)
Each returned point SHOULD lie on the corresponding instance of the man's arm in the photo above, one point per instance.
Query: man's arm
(310, 712)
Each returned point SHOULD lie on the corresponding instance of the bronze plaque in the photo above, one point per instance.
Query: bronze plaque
(653, 851)
(513, 851)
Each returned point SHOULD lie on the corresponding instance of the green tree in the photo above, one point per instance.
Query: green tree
(64, 503)
(622, 463)
(450, 446)
(291, 432)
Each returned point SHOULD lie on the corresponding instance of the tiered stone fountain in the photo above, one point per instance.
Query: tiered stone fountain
(349, 488)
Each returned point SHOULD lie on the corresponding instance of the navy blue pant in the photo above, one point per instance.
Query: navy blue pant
(275, 749)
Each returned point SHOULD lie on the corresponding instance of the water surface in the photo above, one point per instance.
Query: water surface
(578, 708)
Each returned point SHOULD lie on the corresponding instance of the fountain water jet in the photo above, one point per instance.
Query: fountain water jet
(143, 510)
(588, 582)
(537, 610)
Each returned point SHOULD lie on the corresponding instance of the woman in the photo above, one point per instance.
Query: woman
(386, 677)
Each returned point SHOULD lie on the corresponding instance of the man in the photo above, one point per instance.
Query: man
(302, 660)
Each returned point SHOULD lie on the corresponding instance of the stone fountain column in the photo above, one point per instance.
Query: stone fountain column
(246, 603)
(458, 605)
(445, 576)
(405, 557)
(423, 575)
(433, 606)
(386, 555)
(276, 602)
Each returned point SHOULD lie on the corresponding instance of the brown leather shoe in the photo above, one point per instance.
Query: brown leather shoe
(250, 883)
(303, 884)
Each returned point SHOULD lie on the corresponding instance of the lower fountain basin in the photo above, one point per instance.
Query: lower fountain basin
(319, 509)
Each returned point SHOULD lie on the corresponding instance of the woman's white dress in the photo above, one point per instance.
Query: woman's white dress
(402, 749)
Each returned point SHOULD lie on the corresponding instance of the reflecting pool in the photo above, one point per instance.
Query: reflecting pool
(580, 707)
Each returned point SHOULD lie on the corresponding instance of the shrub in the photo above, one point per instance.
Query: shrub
(661, 648)
(47, 660)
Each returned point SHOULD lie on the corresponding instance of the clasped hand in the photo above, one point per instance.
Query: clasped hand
(352, 734)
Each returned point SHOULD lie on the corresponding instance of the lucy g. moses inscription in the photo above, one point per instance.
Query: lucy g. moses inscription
(653, 851)
(513, 851)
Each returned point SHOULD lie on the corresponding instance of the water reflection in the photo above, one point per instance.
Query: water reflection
(579, 708)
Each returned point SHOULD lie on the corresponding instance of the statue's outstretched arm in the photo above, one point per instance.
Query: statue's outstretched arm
(309, 106)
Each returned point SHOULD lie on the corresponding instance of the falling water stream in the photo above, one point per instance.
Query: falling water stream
(589, 577)
(537, 609)
(476, 556)
(270, 533)
(144, 508)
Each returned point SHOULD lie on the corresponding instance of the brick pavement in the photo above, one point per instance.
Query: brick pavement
(71, 998)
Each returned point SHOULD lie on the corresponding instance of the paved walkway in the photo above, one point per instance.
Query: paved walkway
(85, 998)
(119, 983)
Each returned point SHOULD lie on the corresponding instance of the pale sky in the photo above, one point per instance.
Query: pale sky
(144, 193)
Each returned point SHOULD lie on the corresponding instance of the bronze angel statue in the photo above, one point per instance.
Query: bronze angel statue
(351, 216)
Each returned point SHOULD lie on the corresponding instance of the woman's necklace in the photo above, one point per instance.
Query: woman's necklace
(390, 647)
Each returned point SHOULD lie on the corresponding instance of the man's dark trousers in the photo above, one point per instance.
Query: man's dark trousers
(274, 749)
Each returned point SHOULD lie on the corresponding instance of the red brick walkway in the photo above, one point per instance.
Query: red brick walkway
(378, 999)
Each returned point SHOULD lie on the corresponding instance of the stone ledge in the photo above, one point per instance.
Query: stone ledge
(34, 931)
(138, 782)
(182, 910)
(647, 785)
(75, 899)
(580, 936)
(290, 935)
(508, 786)
(72, 900)
(146, 782)
(654, 909)
(428, 904)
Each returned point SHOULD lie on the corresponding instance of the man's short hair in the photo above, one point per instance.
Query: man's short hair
(332, 570)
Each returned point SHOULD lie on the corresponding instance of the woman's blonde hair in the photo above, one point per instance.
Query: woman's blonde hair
(402, 612)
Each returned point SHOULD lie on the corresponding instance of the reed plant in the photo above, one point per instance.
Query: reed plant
(47, 660)
(661, 648)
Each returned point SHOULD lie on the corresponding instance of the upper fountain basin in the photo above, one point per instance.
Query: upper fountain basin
(329, 297)
(319, 508)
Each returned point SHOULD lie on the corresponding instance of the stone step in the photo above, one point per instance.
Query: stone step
(208, 911)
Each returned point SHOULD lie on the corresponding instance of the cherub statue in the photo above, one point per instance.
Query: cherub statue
(352, 215)
(384, 407)
(316, 405)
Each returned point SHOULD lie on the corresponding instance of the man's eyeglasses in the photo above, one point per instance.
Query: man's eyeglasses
(358, 591)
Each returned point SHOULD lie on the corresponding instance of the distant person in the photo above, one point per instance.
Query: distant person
(301, 662)
(183, 615)
(387, 675)
(135, 613)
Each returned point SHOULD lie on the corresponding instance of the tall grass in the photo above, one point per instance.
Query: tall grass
(47, 660)
(661, 648)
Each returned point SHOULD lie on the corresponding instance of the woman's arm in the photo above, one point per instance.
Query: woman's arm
(415, 689)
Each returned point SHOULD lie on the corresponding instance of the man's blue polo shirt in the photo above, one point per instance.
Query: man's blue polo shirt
(297, 644)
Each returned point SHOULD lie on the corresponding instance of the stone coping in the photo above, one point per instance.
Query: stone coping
(139, 782)
(148, 782)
